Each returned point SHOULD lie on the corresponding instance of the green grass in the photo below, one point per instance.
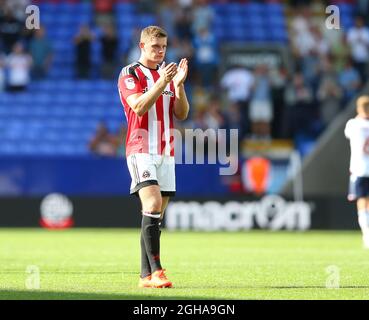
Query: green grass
(104, 264)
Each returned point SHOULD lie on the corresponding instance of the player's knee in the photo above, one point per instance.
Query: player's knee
(152, 205)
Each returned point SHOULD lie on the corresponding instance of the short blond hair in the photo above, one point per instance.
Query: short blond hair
(153, 31)
(362, 105)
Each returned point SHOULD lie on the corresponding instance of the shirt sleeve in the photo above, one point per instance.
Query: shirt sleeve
(348, 129)
(128, 85)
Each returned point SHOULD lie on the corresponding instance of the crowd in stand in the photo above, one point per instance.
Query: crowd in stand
(24, 54)
(329, 68)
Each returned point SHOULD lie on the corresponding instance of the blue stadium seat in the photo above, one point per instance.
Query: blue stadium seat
(26, 148)
(46, 149)
(47, 18)
(233, 8)
(81, 98)
(274, 21)
(145, 20)
(9, 148)
(274, 8)
(84, 7)
(219, 8)
(347, 22)
(238, 34)
(65, 85)
(122, 8)
(104, 85)
(234, 21)
(20, 110)
(258, 35)
(255, 8)
(278, 35)
(48, 8)
(346, 8)
(256, 21)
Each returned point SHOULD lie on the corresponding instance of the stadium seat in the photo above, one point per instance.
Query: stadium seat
(256, 8)
(122, 8)
(9, 148)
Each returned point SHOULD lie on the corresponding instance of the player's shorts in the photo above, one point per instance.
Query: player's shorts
(260, 111)
(358, 188)
(151, 169)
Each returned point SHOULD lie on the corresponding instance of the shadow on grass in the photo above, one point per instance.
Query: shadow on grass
(147, 294)
(50, 295)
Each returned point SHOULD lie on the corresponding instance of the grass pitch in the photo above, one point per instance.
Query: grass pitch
(105, 263)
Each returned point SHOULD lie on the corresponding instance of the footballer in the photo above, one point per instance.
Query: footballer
(152, 94)
(357, 131)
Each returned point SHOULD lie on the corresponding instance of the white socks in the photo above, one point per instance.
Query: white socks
(363, 217)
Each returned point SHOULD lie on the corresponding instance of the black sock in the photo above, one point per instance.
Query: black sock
(145, 264)
(151, 236)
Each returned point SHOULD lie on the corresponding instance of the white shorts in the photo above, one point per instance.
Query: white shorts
(260, 111)
(151, 169)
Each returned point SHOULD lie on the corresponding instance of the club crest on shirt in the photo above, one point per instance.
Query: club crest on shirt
(130, 83)
(146, 174)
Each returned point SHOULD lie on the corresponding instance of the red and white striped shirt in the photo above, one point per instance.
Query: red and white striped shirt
(150, 133)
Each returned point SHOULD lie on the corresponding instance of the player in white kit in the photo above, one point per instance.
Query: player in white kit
(357, 131)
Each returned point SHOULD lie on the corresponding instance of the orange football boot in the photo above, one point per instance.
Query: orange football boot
(145, 282)
(160, 280)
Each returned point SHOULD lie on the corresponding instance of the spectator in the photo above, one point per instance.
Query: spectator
(105, 143)
(10, 30)
(233, 119)
(358, 39)
(340, 53)
(145, 7)
(82, 43)
(363, 9)
(167, 17)
(203, 16)
(198, 120)
(278, 78)
(311, 60)
(238, 82)
(103, 11)
(321, 45)
(184, 4)
(109, 44)
(301, 112)
(200, 98)
(349, 79)
(19, 64)
(174, 52)
(206, 56)
(186, 50)
(18, 8)
(183, 21)
(41, 52)
(301, 37)
(214, 119)
(329, 98)
(329, 94)
(261, 112)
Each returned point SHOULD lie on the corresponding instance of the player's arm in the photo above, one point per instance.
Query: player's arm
(181, 105)
(142, 102)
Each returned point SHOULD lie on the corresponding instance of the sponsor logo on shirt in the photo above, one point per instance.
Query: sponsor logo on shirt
(165, 92)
